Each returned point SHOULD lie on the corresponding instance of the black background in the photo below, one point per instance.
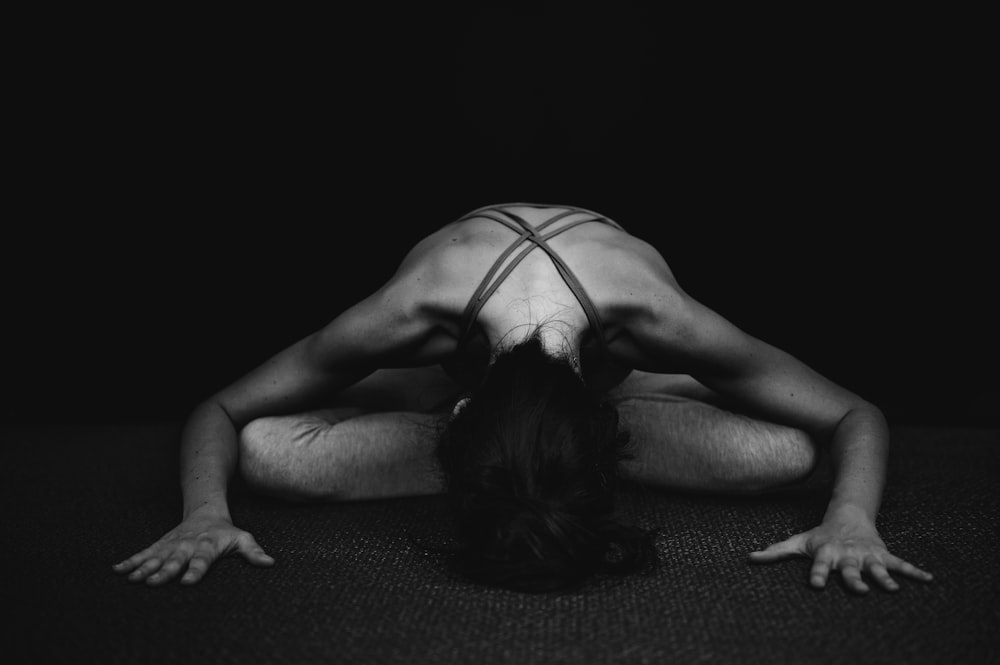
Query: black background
(192, 193)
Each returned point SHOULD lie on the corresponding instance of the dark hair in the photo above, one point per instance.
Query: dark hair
(530, 470)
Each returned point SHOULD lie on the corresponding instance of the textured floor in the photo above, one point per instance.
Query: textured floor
(354, 584)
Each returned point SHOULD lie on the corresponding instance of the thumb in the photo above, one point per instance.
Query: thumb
(251, 551)
(793, 546)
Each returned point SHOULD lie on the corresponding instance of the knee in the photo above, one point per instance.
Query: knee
(258, 449)
(255, 438)
(301, 457)
(796, 458)
(274, 459)
(801, 457)
(793, 459)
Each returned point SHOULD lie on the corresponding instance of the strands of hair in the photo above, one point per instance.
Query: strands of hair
(531, 473)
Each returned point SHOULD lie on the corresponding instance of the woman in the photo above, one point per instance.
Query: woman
(522, 359)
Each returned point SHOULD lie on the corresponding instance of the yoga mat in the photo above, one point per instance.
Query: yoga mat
(355, 582)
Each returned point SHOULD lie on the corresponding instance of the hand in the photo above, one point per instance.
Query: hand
(850, 546)
(194, 545)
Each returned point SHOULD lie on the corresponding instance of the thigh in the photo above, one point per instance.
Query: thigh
(373, 439)
(683, 439)
(341, 454)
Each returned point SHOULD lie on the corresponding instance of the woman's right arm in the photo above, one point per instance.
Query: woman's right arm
(386, 329)
(208, 459)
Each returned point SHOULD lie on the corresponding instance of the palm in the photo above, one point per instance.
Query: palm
(192, 547)
(850, 549)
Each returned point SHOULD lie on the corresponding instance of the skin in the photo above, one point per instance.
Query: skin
(654, 328)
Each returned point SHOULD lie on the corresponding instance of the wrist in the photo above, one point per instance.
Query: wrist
(848, 512)
(209, 509)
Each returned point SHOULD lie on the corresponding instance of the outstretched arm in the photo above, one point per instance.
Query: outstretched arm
(208, 458)
(774, 385)
(383, 330)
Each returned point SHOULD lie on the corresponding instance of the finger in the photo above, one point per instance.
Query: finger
(133, 562)
(253, 552)
(794, 546)
(204, 556)
(881, 575)
(148, 567)
(167, 571)
(819, 573)
(197, 568)
(908, 569)
(850, 571)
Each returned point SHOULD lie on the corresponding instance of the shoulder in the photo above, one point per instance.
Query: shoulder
(658, 324)
(413, 315)
(629, 277)
(636, 259)
(437, 273)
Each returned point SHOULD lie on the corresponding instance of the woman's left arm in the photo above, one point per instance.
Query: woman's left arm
(847, 539)
(775, 385)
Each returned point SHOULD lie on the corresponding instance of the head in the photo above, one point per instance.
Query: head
(531, 469)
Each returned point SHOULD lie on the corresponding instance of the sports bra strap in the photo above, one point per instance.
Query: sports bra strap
(532, 235)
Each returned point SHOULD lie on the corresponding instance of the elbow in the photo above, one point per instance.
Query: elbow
(864, 408)
(872, 413)
(212, 407)
(862, 416)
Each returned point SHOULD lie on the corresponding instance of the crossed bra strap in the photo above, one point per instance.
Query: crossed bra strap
(535, 239)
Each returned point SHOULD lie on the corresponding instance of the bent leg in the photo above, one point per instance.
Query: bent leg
(341, 454)
(688, 444)
(377, 442)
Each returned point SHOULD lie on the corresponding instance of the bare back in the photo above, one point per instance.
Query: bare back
(618, 273)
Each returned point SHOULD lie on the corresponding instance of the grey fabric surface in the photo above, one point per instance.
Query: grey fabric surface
(354, 583)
